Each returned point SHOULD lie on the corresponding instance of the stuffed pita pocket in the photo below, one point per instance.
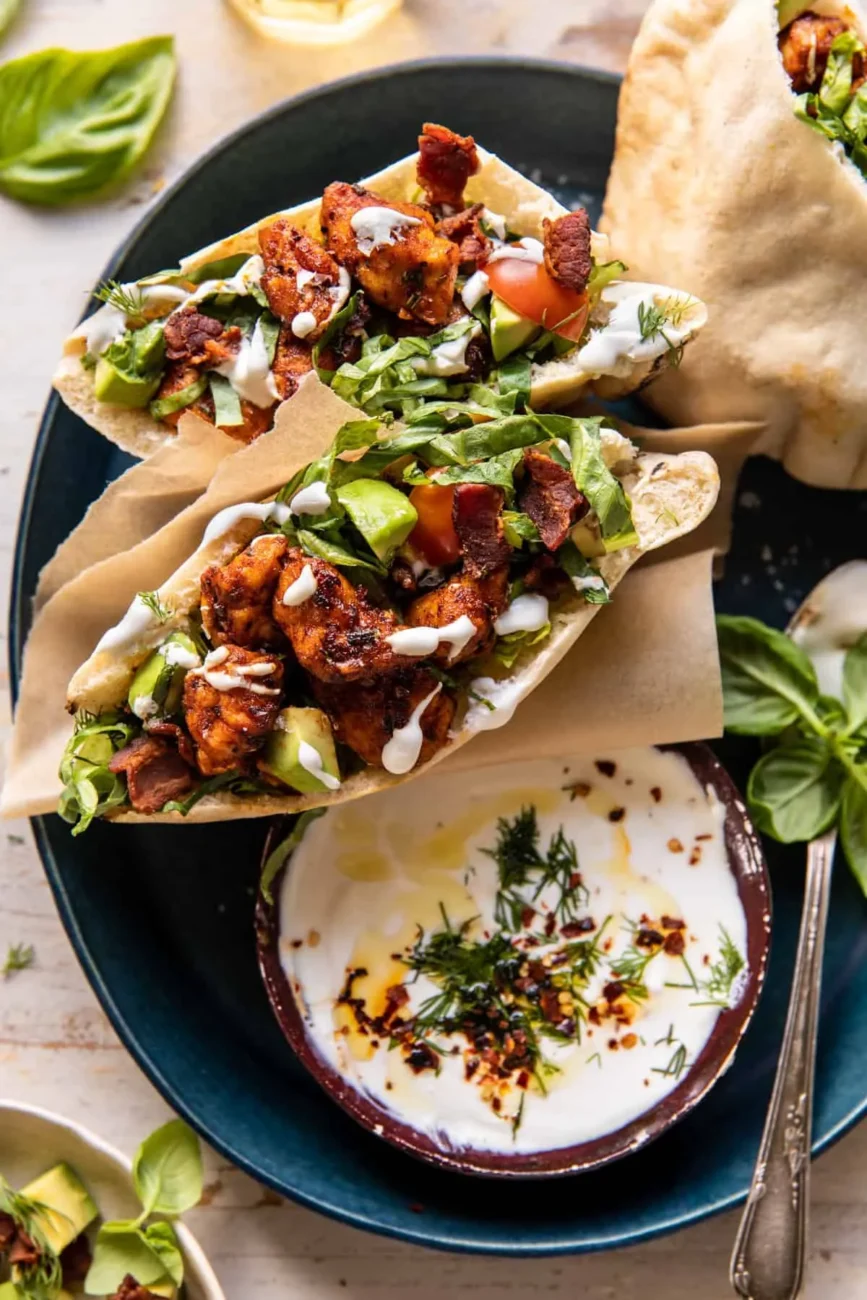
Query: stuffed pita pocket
(740, 168)
(399, 595)
(447, 277)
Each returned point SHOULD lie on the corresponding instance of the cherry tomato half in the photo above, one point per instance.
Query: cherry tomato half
(434, 533)
(528, 289)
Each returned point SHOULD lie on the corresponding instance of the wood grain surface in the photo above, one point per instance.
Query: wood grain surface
(56, 1047)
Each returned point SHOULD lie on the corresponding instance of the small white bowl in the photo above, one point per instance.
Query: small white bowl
(32, 1140)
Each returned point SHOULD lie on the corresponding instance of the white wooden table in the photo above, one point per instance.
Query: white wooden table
(56, 1047)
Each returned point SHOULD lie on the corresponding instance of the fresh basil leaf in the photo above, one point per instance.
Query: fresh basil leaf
(853, 826)
(160, 407)
(794, 791)
(768, 683)
(519, 528)
(163, 1241)
(279, 856)
(227, 403)
(586, 580)
(855, 684)
(336, 554)
(120, 1249)
(8, 10)
(592, 476)
(836, 88)
(167, 1170)
(71, 121)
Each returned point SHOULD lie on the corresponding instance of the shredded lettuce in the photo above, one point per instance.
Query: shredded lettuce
(592, 476)
(89, 787)
(833, 110)
(585, 579)
(508, 648)
(519, 528)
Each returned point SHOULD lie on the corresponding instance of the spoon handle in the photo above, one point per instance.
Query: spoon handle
(768, 1258)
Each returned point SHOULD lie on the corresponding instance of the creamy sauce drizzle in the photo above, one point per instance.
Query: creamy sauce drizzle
(303, 323)
(249, 372)
(527, 613)
(613, 348)
(138, 620)
(374, 227)
(400, 754)
(504, 697)
(178, 656)
(301, 589)
(447, 358)
(368, 874)
(426, 640)
(475, 289)
(232, 515)
(237, 680)
(311, 500)
(311, 760)
(528, 250)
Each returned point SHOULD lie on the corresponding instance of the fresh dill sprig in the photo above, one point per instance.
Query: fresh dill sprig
(42, 1280)
(521, 864)
(18, 957)
(630, 967)
(676, 1066)
(652, 321)
(722, 974)
(597, 1056)
(127, 298)
(160, 612)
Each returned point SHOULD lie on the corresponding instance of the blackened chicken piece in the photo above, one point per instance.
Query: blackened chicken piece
(129, 1289)
(412, 271)
(566, 243)
(805, 45)
(292, 361)
(465, 230)
(155, 773)
(551, 499)
(545, 575)
(172, 732)
(337, 634)
(197, 339)
(446, 162)
(477, 515)
(365, 716)
(482, 600)
(228, 722)
(237, 597)
(299, 276)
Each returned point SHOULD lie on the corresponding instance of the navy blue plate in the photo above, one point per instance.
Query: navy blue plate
(162, 918)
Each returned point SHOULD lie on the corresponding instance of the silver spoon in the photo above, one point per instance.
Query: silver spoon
(771, 1244)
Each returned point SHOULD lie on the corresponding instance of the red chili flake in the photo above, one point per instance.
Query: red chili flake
(675, 846)
(675, 943)
(550, 924)
(656, 794)
(527, 914)
(672, 923)
(583, 925)
(594, 1017)
(613, 1044)
(578, 790)
(497, 1105)
(608, 945)
(630, 1041)
(297, 943)
(574, 879)
(605, 766)
(613, 990)
(695, 856)
(706, 959)
(617, 814)
(388, 1086)
(648, 939)
(523, 1079)
(704, 837)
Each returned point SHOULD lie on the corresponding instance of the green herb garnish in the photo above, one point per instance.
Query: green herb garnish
(521, 865)
(127, 298)
(151, 599)
(43, 1279)
(90, 787)
(18, 957)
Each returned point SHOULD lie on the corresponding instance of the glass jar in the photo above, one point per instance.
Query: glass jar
(314, 22)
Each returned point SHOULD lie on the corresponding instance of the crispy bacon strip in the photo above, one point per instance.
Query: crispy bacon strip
(465, 230)
(191, 336)
(155, 773)
(550, 498)
(567, 249)
(445, 164)
(477, 516)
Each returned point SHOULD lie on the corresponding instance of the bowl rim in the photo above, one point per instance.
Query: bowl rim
(192, 1251)
(747, 863)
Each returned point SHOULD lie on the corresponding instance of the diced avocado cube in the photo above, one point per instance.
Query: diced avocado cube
(589, 543)
(122, 387)
(166, 1289)
(382, 514)
(282, 753)
(158, 685)
(68, 1207)
(9, 1291)
(509, 331)
(148, 348)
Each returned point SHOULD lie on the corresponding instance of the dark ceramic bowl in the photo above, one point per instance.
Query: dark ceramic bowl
(748, 867)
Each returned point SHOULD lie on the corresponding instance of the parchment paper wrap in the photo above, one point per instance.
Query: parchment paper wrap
(716, 183)
(650, 672)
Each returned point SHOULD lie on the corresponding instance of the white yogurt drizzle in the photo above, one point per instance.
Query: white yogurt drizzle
(475, 289)
(448, 358)
(527, 613)
(302, 588)
(590, 582)
(249, 371)
(237, 680)
(420, 641)
(504, 697)
(178, 656)
(375, 227)
(303, 323)
(613, 348)
(232, 515)
(311, 760)
(137, 620)
(245, 279)
(528, 250)
(311, 500)
(400, 754)
(496, 221)
(145, 706)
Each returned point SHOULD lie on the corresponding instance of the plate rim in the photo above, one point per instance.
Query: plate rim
(18, 619)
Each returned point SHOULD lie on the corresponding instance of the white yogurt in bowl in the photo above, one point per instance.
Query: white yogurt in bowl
(521, 965)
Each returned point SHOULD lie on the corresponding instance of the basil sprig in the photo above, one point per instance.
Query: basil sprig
(815, 776)
(167, 1173)
(71, 121)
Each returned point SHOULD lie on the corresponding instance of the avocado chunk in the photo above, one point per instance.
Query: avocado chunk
(382, 514)
(589, 543)
(158, 685)
(68, 1207)
(284, 751)
(164, 1289)
(509, 331)
(121, 387)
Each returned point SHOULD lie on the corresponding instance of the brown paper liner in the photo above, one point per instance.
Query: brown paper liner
(645, 671)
